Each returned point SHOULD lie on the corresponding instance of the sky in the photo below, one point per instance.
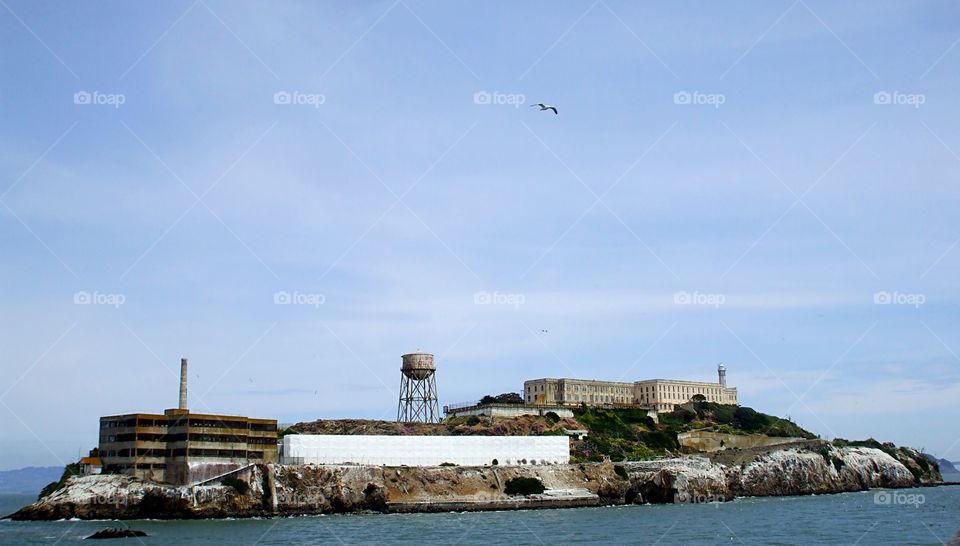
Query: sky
(294, 194)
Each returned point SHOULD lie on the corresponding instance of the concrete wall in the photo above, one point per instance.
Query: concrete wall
(424, 450)
(510, 410)
(710, 441)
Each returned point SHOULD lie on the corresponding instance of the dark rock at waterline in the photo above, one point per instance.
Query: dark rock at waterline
(117, 533)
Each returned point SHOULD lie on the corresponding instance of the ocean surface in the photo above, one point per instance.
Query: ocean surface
(872, 517)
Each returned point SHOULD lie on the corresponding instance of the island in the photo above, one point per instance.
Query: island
(700, 452)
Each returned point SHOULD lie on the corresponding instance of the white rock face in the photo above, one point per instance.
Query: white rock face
(830, 470)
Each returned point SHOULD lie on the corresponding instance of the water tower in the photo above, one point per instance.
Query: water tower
(418, 389)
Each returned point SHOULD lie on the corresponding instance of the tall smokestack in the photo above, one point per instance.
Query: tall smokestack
(183, 383)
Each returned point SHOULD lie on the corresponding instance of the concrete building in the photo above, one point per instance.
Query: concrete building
(181, 447)
(504, 410)
(90, 466)
(658, 394)
(384, 450)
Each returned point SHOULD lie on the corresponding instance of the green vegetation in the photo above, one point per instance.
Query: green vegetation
(740, 419)
(619, 470)
(629, 434)
(240, 486)
(552, 417)
(524, 486)
(622, 434)
(72, 469)
(505, 398)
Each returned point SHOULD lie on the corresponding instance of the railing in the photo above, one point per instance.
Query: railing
(460, 405)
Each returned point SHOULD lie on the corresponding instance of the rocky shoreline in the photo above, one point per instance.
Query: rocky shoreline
(811, 467)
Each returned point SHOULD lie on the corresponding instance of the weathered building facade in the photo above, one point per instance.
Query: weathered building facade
(659, 394)
(184, 448)
(181, 447)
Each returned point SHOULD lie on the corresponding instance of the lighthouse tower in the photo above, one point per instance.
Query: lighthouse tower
(722, 373)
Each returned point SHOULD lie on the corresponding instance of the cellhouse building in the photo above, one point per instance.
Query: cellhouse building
(661, 395)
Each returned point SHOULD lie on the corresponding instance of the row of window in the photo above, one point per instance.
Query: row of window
(189, 422)
(192, 437)
(182, 452)
(140, 466)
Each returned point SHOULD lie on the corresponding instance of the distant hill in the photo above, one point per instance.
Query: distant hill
(29, 480)
(945, 465)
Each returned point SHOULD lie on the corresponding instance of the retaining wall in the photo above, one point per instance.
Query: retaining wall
(424, 450)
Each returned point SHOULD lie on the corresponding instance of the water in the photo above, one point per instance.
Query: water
(846, 518)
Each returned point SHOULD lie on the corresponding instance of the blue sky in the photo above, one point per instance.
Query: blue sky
(782, 166)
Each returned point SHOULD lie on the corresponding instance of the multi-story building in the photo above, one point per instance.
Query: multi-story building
(659, 394)
(167, 447)
(181, 447)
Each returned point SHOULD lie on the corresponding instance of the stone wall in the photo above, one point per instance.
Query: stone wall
(706, 442)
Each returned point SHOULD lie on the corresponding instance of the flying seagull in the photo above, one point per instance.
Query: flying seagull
(545, 107)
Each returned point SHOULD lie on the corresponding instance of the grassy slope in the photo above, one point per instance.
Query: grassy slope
(628, 434)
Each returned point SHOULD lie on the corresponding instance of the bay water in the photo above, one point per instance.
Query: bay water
(929, 515)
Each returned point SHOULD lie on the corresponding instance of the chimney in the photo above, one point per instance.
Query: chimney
(183, 383)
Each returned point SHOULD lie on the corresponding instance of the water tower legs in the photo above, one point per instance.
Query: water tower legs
(418, 400)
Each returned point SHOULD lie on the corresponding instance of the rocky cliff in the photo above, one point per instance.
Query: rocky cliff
(805, 468)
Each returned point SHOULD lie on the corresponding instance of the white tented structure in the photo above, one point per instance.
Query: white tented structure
(424, 450)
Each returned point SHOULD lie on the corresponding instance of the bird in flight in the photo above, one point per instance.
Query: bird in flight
(546, 107)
